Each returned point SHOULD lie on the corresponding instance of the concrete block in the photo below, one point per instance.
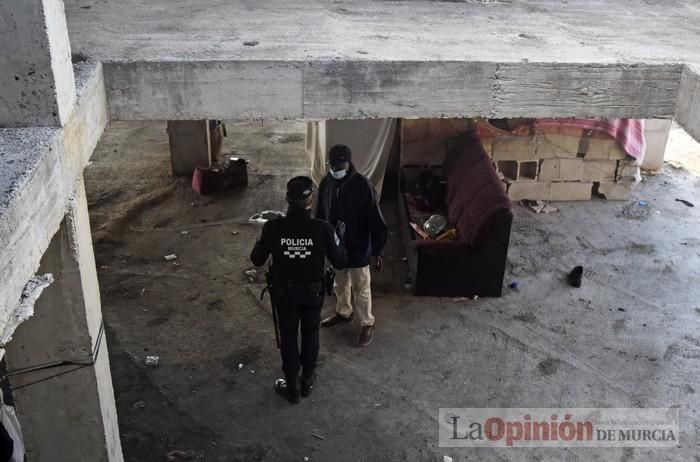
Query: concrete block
(561, 170)
(509, 169)
(617, 152)
(599, 170)
(656, 133)
(628, 171)
(513, 148)
(554, 145)
(527, 170)
(615, 191)
(571, 191)
(528, 190)
(598, 148)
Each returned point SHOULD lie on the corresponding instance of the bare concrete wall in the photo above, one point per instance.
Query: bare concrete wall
(688, 110)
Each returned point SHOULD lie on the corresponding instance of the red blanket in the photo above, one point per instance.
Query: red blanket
(629, 133)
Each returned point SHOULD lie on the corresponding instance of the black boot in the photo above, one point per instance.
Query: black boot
(288, 390)
(307, 384)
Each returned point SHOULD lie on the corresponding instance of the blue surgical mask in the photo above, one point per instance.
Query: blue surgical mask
(338, 175)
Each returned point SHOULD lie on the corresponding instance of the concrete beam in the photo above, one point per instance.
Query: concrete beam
(40, 169)
(37, 88)
(688, 109)
(204, 90)
(67, 412)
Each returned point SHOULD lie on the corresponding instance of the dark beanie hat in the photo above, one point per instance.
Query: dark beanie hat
(299, 188)
(340, 153)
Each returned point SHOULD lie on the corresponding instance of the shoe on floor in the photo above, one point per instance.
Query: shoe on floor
(366, 336)
(289, 393)
(307, 385)
(335, 320)
(576, 276)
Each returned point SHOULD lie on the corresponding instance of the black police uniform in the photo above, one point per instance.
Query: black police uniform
(298, 245)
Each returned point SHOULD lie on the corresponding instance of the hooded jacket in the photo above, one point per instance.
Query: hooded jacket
(353, 201)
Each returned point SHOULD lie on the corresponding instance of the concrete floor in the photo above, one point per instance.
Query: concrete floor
(627, 338)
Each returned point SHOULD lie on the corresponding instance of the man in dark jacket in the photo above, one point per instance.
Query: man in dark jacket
(347, 200)
(299, 246)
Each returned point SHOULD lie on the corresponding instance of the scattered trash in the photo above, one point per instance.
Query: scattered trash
(240, 366)
(152, 360)
(408, 286)
(253, 275)
(643, 203)
(514, 285)
(575, 277)
(620, 309)
(685, 202)
(180, 455)
(539, 206)
(139, 404)
(251, 43)
(252, 372)
(234, 233)
(306, 459)
(184, 231)
(475, 297)
(446, 459)
(377, 404)
(143, 291)
(170, 257)
(265, 215)
(316, 435)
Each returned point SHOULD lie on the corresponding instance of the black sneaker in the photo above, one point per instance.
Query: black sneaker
(576, 276)
(307, 385)
(286, 391)
(335, 320)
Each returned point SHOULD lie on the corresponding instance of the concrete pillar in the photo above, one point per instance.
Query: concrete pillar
(67, 413)
(656, 135)
(37, 87)
(190, 145)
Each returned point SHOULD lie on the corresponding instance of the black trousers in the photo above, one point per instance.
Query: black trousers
(299, 307)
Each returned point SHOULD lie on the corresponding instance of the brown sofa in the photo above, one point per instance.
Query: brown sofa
(477, 205)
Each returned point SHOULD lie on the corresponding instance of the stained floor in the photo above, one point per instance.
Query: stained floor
(628, 338)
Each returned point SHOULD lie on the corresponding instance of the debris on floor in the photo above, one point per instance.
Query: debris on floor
(685, 202)
(318, 436)
(170, 257)
(152, 360)
(538, 206)
(513, 285)
(265, 215)
(576, 276)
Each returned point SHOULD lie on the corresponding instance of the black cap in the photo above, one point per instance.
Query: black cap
(339, 153)
(299, 188)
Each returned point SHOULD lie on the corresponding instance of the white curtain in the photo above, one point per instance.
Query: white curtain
(370, 141)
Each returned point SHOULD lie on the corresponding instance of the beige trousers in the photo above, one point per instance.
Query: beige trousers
(353, 288)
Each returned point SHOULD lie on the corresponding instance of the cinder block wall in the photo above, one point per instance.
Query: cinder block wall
(557, 166)
(563, 166)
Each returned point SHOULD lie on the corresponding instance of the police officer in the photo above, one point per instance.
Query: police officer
(299, 245)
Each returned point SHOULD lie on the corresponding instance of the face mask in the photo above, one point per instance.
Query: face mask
(339, 175)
